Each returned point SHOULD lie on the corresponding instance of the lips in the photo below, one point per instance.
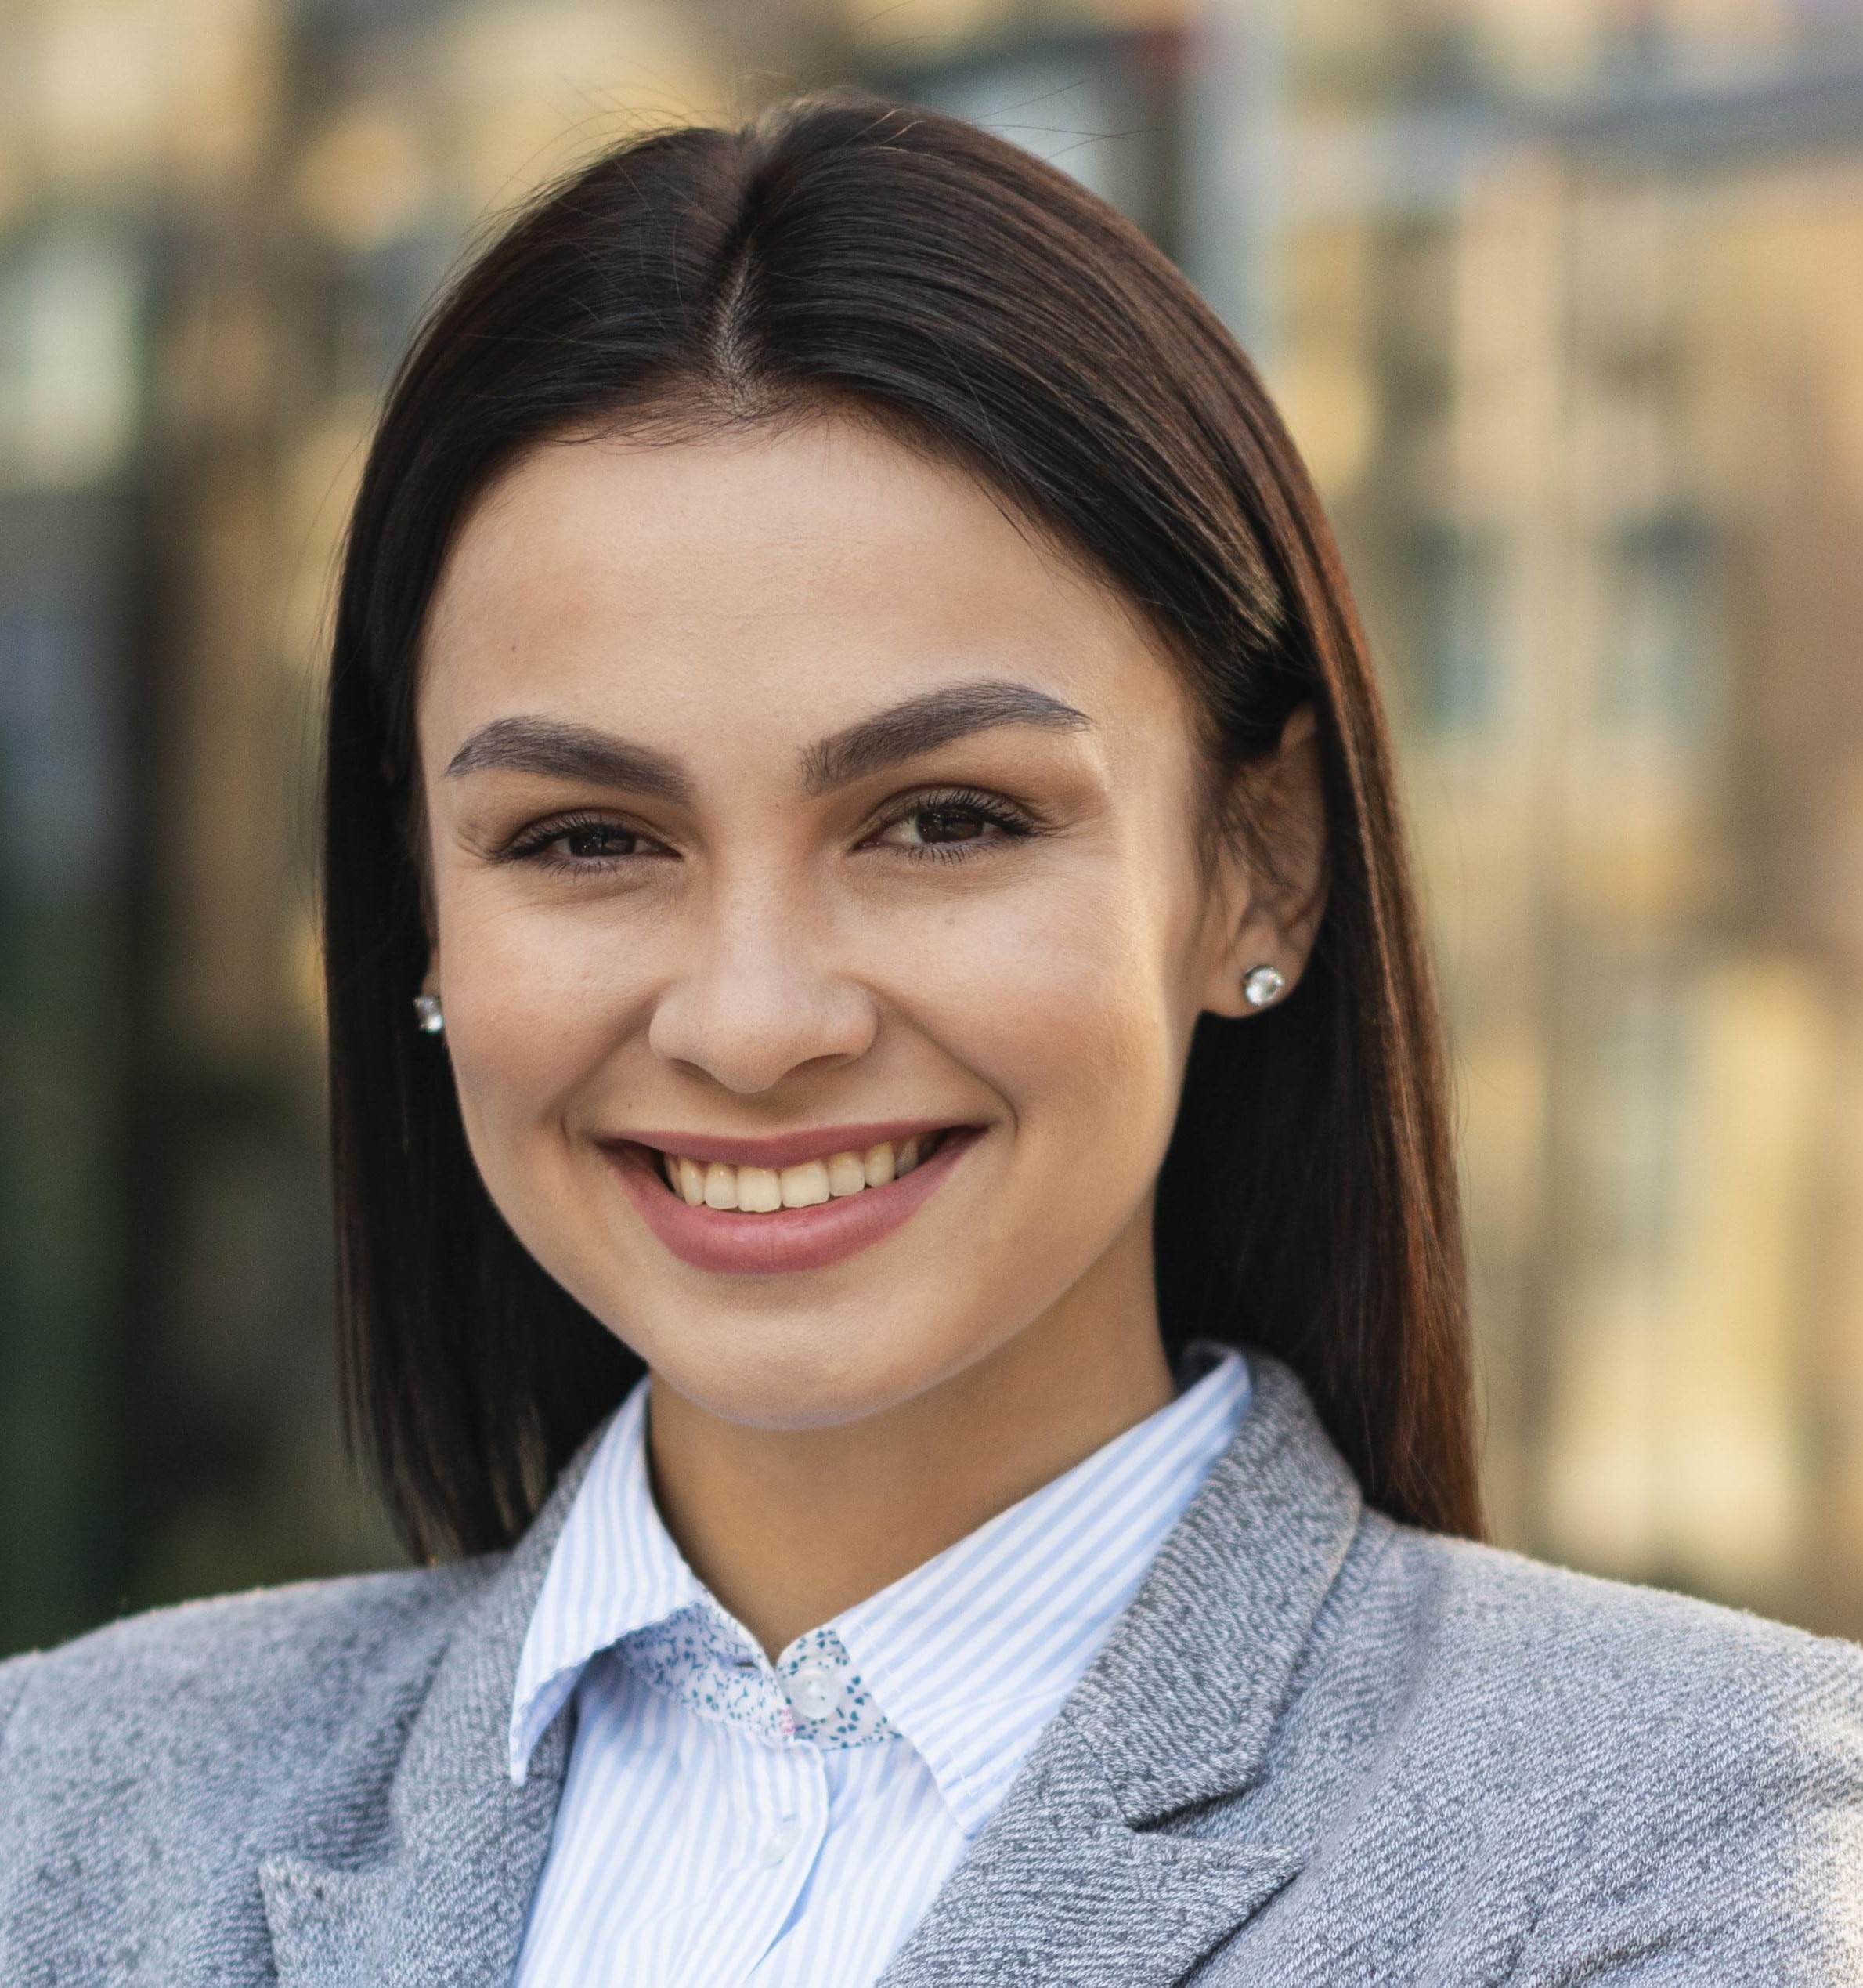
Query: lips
(769, 1240)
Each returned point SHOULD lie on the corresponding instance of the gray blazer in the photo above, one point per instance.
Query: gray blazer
(1318, 1748)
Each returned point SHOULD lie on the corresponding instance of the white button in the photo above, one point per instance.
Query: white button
(814, 1690)
(782, 1840)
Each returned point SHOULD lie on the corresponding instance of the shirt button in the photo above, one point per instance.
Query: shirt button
(780, 1842)
(814, 1690)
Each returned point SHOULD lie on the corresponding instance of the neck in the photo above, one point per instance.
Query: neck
(789, 1527)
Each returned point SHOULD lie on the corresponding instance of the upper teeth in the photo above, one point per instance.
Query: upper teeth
(759, 1190)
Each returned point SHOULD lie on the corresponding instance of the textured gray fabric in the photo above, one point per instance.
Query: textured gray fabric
(1318, 1748)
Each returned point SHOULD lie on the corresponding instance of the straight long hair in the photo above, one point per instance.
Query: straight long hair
(842, 253)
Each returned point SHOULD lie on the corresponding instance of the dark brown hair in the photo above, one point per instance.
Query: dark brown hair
(844, 252)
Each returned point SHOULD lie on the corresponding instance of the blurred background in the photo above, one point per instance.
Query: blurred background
(1562, 300)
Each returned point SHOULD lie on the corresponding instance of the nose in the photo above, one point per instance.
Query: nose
(760, 1000)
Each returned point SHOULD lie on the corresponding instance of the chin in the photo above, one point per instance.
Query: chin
(778, 1379)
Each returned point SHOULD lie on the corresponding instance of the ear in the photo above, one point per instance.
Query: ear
(1269, 907)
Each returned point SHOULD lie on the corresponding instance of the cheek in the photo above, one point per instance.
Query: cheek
(1069, 1000)
(535, 1001)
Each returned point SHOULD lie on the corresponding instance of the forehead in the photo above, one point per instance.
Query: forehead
(792, 578)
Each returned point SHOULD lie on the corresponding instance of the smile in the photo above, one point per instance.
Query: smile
(763, 1190)
(799, 1201)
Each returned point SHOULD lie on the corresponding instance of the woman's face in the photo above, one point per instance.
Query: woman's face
(794, 816)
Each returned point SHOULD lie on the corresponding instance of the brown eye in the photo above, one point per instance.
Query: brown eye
(596, 840)
(588, 847)
(939, 825)
(948, 825)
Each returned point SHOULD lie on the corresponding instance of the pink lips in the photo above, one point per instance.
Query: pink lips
(723, 1240)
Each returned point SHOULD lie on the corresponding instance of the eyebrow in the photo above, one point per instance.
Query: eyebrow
(562, 751)
(923, 724)
(556, 749)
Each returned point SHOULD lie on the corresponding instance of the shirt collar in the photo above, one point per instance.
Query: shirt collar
(615, 1570)
(1049, 1576)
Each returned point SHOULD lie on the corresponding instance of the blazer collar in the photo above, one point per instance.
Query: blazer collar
(447, 1902)
(1072, 1880)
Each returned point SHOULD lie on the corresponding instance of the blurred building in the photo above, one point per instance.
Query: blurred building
(1568, 339)
(1559, 298)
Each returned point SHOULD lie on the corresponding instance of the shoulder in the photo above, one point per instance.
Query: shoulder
(1608, 1667)
(318, 1644)
(1685, 1777)
(231, 1709)
(1491, 1591)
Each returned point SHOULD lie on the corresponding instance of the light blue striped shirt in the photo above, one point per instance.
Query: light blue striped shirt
(725, 1820)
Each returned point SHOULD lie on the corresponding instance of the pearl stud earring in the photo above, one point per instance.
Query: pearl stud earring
(1261, 984)
(427, 1017)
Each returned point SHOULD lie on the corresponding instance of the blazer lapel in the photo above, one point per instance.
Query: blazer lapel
(1059, 1889)
(1078, 1879)
(444, 1906)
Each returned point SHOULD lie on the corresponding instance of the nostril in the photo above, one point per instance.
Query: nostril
(749, 1029)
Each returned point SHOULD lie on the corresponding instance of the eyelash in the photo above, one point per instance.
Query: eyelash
(534, 845)
(1011, 823)
(1015, 824)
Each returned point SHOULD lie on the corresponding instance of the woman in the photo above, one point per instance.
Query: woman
(864, 886)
